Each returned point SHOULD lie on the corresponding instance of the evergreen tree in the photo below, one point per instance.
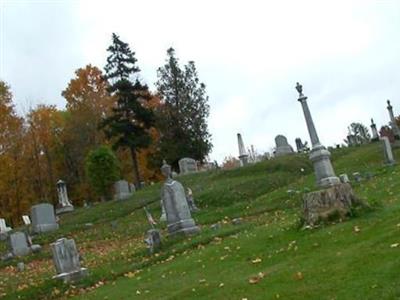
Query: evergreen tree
(130, 120)
(183, 117)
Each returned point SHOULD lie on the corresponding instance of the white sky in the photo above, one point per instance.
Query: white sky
(249, 54)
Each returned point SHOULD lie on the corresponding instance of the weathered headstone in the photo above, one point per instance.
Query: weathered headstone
(123, 190)
(301, 147)
(153, 240)
(43, 218)
(4, 229)
(282, 146)
(393, 124)
(187, 165)
(63, 202)
(19, 244)
(243, 155)
(66, 261)
(344, 178)
(319, 156)
(375, 135)
(179, 219)
(387, 151)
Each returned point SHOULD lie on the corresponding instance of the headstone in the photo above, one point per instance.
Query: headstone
(43, 218)
(26, 219)
(18, 244)
(63, 202)
(190, 200)
(319, 156)
(153, 240)
(301, 147)
(21, 266)
(344, 178)
(243, 155)
(66, 261)
(393, 124)
(387, 151)
(123, 190)
(187, 165)
(282, 146)
(179, 219)
(4, 229)
(375, 135)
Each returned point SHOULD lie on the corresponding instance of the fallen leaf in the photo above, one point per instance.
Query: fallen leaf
(256, 261)
(394, 245)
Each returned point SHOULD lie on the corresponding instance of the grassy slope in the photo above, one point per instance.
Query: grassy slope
(331, 262)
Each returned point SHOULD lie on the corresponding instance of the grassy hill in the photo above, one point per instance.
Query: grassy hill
(266, 256)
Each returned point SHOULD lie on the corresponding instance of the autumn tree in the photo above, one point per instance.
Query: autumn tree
(182, 119)
(130, 121)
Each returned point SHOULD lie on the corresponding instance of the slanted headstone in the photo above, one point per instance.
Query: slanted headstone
(64, 205)
(375, 135)
(393, 124)
(4, 229)
(243, 155)
(26, 219)
(66, 261)
(153, 240)
(179, 219)
(123, 190)
(187, 165)
(282, 146)
(387, 151)
(19, 244)
(190, 200)
(43, 218)
(344, 178)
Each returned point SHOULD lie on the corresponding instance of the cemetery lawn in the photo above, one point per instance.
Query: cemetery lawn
(267, 256)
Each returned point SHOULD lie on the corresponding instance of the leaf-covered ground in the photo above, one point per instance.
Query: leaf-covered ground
(266, 256)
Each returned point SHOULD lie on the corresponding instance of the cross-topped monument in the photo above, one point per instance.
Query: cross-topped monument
(319, 155)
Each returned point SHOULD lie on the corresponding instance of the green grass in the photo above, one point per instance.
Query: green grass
(333, 261)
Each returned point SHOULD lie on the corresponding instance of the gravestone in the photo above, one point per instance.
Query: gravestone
(4, 229)
(243, 155)
(123, 190)
(179, 219)
(43, 218)
(375, 135)
(187, 165)
(393, 124)
(64, 205)
(282, 146)
(20, 244)
(153, 240)
(344, 178)
(66, 261)
(387, 151)
(190, 200)
(27, 220)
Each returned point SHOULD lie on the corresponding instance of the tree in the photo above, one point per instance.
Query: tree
(387, 131)
(182, 119)
(130, 120)
(102, 169)
(358, 134)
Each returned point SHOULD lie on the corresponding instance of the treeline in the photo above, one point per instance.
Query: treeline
(106, 111)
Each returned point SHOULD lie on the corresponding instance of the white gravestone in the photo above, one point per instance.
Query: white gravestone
(26, 219)
(63, 202)
(123, 190)
(387, 151)
(66, 261)
(187, 165)
(282, 146)
(4, 229)
(43, 218)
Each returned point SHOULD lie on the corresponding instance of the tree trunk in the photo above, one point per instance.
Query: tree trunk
(135, 168)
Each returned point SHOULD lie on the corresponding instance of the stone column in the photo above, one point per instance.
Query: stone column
(319, 156)
(63, 202)
(393, 123)
(243, 155)
(375, 135)
(387, 151)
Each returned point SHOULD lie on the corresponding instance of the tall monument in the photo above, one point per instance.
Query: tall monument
(319, 155)
(375, 135)
(393, 123)
(243, 155)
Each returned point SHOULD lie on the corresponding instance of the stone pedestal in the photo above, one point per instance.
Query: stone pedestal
(66, 261)
(43, 218)
(328, 204)
(64, 205)
(179, 219)
(243, 155)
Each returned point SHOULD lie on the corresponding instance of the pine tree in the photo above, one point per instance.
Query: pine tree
(183, 117)
(130, 121)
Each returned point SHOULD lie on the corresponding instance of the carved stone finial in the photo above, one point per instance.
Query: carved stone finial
(372, 122)
(166, 169)
(388, 102)
(299, 89)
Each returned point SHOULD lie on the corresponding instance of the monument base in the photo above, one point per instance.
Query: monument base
(72, 276)
(185, 227)
(44, 228)
(64, 209)
(122, 196)
(324, 173)
(328, 204)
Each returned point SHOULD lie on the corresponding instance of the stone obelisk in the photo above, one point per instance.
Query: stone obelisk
(375, 135)
(393, 123)
(243, 155)
(319, 155)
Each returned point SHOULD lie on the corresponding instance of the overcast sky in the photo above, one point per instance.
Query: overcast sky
(249, 54)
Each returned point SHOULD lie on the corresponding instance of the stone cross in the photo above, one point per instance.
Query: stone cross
(63, 202)
(179, 219)
(319, 156)
(66, 261)
(243, 155)
(43, 218)
(393, 124)
(387, 151)
(375, 135)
